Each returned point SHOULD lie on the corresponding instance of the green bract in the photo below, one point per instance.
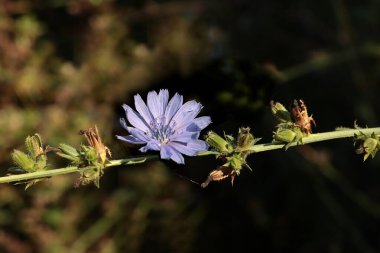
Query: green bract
(367, 144)
(288, 129)
(90, 159)
(233, 152)
(33, 160)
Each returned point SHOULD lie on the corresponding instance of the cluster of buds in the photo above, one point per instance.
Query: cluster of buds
(367, 145)
(33, 160)
(90, 159)
(294, 125)
(233, 152)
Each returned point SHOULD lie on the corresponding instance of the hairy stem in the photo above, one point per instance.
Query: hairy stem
(339, 134)
(67, 170)
(347, 133)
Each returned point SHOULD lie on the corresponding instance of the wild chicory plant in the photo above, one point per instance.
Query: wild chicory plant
(173, 128)
(170, 127)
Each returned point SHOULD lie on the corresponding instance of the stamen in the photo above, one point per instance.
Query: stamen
(160, 131)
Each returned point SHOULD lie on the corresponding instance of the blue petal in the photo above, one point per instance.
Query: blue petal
(198, 145)
(135, 119)
(130, 139)
(174, 104)
(190, 148)
(163, 98)
(153, 104)
(184, 136)
(165, 152)
(168, 152)
(186, 113)
(182, 148)
(151, 145)
(138, 134)
(197, 124)
(177, 157)
(123, 123)
(143, 109)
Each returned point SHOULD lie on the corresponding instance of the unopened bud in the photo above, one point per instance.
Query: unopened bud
(371, 146)
(285, 135)
(245, 138)
(218, 142)
(34, 145)
(23, 160)
(280, 112)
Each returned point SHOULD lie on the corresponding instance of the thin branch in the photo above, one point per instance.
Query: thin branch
(68, 170)
(143, 159)
(317, 138)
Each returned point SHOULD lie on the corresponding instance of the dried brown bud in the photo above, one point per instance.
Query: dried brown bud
(94, 140)
(301, 118)
(219, 174)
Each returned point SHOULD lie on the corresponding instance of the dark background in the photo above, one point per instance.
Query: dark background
(68, 65)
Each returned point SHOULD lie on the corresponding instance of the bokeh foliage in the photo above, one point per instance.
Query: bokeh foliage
(68, 65)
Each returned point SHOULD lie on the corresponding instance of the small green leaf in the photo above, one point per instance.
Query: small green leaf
(248, 167)
(69, 150)
(204, 153)
(136, 162)
(73, 159)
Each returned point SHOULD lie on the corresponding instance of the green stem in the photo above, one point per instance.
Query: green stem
(132, 160)
(142, 159)
(67, 170)
(37, 174)
(339, 134)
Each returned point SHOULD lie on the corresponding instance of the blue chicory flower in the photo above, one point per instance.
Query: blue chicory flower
(170, 127)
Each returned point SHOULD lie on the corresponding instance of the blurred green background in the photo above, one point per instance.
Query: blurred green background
(68, 65)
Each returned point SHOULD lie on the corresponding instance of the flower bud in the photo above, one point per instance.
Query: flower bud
(370, 145)
(34, 145)
(280, 112)
(367, 145)
(218, 142)
(285, 135)
(245, 138)
(23, 160)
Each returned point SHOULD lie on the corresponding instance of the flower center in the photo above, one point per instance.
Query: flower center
(161, 131)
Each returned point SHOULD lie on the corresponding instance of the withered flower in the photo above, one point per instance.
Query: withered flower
(94, 140)
(301, 117)
(219, 174)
